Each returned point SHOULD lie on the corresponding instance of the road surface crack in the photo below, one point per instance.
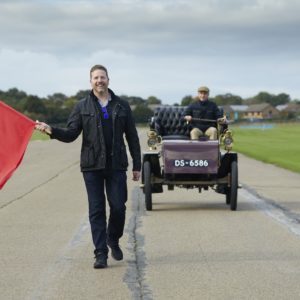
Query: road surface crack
(135, 273)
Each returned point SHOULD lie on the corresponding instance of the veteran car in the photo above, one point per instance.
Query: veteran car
(174, 160)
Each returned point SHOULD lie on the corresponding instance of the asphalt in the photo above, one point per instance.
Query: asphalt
(191, 246)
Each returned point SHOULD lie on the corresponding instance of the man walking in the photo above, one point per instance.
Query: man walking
(103, 118)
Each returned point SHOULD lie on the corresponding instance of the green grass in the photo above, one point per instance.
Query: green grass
(279, 146)
(39, 136)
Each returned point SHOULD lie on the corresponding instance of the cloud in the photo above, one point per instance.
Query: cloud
(163, 48)
(169, 78)
(148, 27)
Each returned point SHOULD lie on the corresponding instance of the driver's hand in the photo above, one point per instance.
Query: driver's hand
(222, 120)
(188, 118)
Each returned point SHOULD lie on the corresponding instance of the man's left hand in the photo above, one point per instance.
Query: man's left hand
(136, 175)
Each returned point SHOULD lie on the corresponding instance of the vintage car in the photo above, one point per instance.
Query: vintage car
(173, 159)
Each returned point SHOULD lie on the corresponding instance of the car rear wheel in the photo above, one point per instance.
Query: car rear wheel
(147, 185)
(233, 190)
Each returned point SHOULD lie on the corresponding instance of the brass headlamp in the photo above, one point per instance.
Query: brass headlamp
(153, 139)
(227, 140)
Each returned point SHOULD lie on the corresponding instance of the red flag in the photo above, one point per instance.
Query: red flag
(15, 132)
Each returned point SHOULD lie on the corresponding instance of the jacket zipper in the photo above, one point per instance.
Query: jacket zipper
(114, 114)
(99, 125)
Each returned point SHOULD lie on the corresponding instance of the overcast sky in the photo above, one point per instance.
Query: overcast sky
(165, 48)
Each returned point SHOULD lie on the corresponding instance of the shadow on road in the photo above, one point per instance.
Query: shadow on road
(192, 206)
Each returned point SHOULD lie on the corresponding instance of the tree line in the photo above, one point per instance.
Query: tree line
(55, 108)
(230, 99)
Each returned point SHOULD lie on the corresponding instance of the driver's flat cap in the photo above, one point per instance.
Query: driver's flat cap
(203, 89)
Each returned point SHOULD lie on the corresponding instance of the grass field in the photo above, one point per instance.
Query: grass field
(279, 145)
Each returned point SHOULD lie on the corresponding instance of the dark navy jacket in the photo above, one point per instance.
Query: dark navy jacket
(203, 110)
(85, 118)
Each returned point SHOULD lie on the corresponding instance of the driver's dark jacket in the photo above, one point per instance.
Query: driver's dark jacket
(85, 118)
(203, 110)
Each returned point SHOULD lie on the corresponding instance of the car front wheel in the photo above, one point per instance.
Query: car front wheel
(233, 190)
(147, 185)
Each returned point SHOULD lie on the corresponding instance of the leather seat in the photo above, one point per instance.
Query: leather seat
(169, 121)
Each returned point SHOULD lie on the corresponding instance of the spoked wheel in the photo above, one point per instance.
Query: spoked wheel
(231, 195)
(147, 185)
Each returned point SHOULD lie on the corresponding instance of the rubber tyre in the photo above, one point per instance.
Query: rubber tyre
(228, 197)
(233, 185)
(147, 185)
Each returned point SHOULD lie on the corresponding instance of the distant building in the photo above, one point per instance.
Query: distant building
(261, 111)
(289, 110)
(281, 107)
(234, 112)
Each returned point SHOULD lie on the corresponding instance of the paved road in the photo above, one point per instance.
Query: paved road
(191, 246)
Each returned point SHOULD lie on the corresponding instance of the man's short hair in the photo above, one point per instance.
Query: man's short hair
(98, 67)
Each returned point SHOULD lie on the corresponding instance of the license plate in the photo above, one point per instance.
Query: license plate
(195, 163)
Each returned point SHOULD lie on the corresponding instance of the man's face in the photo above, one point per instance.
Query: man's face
(99, 81)
(203, 96)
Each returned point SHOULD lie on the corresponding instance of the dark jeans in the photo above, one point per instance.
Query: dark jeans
(116, 192)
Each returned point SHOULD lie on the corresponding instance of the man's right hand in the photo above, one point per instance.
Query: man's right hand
(43, 127)
(222, 121)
